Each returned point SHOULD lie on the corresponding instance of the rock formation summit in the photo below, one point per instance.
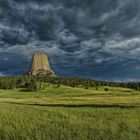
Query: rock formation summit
(40, 65)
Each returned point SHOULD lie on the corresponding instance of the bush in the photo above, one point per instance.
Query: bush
(106, 89)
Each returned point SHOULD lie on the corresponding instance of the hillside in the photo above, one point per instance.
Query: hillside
(73, 96)
(70, 113)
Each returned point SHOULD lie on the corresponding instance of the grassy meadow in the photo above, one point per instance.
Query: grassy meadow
(67, 113)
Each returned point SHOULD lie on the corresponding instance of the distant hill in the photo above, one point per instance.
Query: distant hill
(40, 65)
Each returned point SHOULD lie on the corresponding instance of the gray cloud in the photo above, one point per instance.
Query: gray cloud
(98, 39)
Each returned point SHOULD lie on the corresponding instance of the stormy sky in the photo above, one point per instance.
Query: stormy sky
(98, 39)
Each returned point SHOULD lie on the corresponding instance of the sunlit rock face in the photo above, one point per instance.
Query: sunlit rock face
(40, 65)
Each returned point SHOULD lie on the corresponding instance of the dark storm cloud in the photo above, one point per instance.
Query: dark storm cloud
(90, 38)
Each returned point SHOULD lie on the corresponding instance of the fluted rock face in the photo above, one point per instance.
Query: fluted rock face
(40, 65)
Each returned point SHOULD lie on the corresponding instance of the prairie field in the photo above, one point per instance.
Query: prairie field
(67, 113)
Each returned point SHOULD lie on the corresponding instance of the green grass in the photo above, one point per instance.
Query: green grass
(67, 113)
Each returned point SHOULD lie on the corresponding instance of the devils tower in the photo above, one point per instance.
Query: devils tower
(40, 65)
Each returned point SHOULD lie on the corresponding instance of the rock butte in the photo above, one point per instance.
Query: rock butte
(40, 65)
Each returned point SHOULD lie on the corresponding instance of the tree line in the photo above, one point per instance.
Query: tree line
(39, 82)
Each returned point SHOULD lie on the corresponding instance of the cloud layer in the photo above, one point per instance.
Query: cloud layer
(92, 38)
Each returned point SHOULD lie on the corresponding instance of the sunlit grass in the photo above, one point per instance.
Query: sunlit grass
(67, 113)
